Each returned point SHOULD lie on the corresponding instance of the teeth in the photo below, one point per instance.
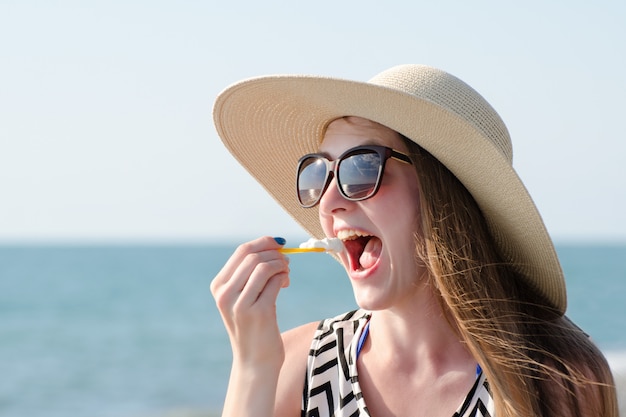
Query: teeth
(351, 234)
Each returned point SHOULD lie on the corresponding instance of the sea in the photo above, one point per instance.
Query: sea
(132, 330)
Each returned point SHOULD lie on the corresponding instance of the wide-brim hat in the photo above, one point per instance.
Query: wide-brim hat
(268, 123)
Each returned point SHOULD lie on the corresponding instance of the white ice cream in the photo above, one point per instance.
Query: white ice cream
(330, 245)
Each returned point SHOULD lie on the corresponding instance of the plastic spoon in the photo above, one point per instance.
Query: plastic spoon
(300, 250)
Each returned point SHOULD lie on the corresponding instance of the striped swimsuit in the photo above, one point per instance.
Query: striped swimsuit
(332, 384)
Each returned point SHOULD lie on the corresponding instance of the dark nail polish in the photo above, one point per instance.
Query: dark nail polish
(280, 240)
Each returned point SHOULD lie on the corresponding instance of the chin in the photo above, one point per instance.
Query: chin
(369, 303)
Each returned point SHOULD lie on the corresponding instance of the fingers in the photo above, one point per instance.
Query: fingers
(258, 275)
(242, 252)
(255, 273)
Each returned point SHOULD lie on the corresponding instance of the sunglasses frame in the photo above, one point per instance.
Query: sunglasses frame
(384, 152)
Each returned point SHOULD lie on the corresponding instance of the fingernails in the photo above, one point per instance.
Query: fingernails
(281, 241)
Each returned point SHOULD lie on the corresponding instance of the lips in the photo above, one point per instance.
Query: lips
(362, 248)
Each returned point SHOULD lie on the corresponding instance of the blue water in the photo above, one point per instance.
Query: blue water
(133, 331)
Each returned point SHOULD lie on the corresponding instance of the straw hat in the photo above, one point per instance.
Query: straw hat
(267, 123)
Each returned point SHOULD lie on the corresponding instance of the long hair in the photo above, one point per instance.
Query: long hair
(537, 362)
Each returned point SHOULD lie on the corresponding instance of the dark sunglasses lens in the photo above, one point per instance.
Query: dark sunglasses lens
(358, 174)
(311, 180)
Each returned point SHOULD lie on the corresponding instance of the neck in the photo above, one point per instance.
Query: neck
(417, 333)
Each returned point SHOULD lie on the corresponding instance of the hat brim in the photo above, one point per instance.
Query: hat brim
(268, 123)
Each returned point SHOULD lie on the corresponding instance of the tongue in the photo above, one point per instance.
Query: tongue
(371, 252)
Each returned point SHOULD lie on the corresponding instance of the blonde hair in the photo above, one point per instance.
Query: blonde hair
(537, 362)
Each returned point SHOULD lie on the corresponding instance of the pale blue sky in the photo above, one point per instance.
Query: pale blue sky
(105, 107)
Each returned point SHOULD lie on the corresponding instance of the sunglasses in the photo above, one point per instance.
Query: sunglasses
(358, 171)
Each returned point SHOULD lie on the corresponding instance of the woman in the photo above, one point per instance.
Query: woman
(461, 294)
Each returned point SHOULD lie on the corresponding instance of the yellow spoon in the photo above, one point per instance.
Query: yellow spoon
(300, 250)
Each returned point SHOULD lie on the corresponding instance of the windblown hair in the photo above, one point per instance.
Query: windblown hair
(537, 362)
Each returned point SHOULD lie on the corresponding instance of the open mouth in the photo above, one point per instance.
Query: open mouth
(363, 249)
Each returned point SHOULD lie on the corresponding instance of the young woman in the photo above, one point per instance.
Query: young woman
(461, 294)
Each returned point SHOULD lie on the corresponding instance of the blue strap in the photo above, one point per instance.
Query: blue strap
(364, 334)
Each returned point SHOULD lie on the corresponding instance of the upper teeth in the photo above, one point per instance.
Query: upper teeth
(351, 234)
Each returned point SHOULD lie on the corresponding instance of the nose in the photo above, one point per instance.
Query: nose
(332, 200)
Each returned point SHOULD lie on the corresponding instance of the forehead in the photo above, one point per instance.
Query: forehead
(348, 132)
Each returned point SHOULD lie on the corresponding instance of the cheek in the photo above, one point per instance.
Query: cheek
(404, 217)
(401, 198)
(400, 212)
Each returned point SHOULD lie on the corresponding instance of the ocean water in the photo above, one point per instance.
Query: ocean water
(133, 331)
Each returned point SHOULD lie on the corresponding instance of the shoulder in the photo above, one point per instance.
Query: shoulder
(297, 343)
(300, 340)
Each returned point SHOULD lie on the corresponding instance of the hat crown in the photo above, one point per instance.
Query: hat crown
(451, 94)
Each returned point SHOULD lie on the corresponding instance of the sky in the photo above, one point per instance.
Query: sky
(106, 132)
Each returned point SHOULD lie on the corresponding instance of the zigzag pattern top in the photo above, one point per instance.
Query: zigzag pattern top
(332, 384)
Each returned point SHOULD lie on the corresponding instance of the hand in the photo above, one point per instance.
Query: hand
(245, 291)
